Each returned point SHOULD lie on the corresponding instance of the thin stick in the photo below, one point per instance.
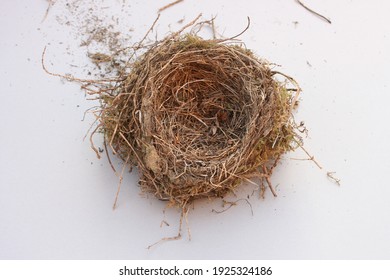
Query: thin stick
(69, 77)
(242, 32)
(169, 5)
(224, 210)
(262, 189)
(177, 237)
(173, 35)
(163, 222)
(94, 131)
(213, 28)
(147, 33)
(314, 12)
(210, 23)
(310, 156)
(87, 111)
(233, 203)
(120, 182)
(51, 3)
(137, 46)
(265, 170)
(131, 147)
(297, 89)
(187, 223)
(274, 164)
(238, 35)
(332, 177)
(91, 141)
(108, 156)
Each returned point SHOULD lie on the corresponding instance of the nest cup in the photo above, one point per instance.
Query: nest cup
(198, 117)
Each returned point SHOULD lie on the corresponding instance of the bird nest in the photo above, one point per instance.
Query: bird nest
(199, 117)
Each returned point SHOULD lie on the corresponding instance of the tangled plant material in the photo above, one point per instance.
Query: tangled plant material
(198, 117)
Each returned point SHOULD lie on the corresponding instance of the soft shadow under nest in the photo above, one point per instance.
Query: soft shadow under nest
(198, 117)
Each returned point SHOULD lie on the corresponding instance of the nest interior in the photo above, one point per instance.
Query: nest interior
(198, 117)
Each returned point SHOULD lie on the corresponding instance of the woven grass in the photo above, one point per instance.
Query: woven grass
(199, 117)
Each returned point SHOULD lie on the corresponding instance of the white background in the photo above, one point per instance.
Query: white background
(56, 197)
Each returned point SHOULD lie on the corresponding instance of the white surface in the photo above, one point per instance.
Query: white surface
(56, 197)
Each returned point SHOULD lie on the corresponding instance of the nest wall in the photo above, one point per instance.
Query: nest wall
(198, 117)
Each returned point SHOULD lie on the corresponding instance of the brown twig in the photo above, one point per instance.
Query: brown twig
(175, 34)
(297, 89)
(163, 222)
(139, 44)
(186, 210)
(213, 27)
(108, 155)
(314, 12)
(91, 140)
(267, 179)
(308, 154)
(177, 237)
(70, 78)
(169, 5)
(209, 23)
(231, 204)
(120, 182)
(238, 35)
(311, 157)
(51, 3)
(131, 147)
(331, 176)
